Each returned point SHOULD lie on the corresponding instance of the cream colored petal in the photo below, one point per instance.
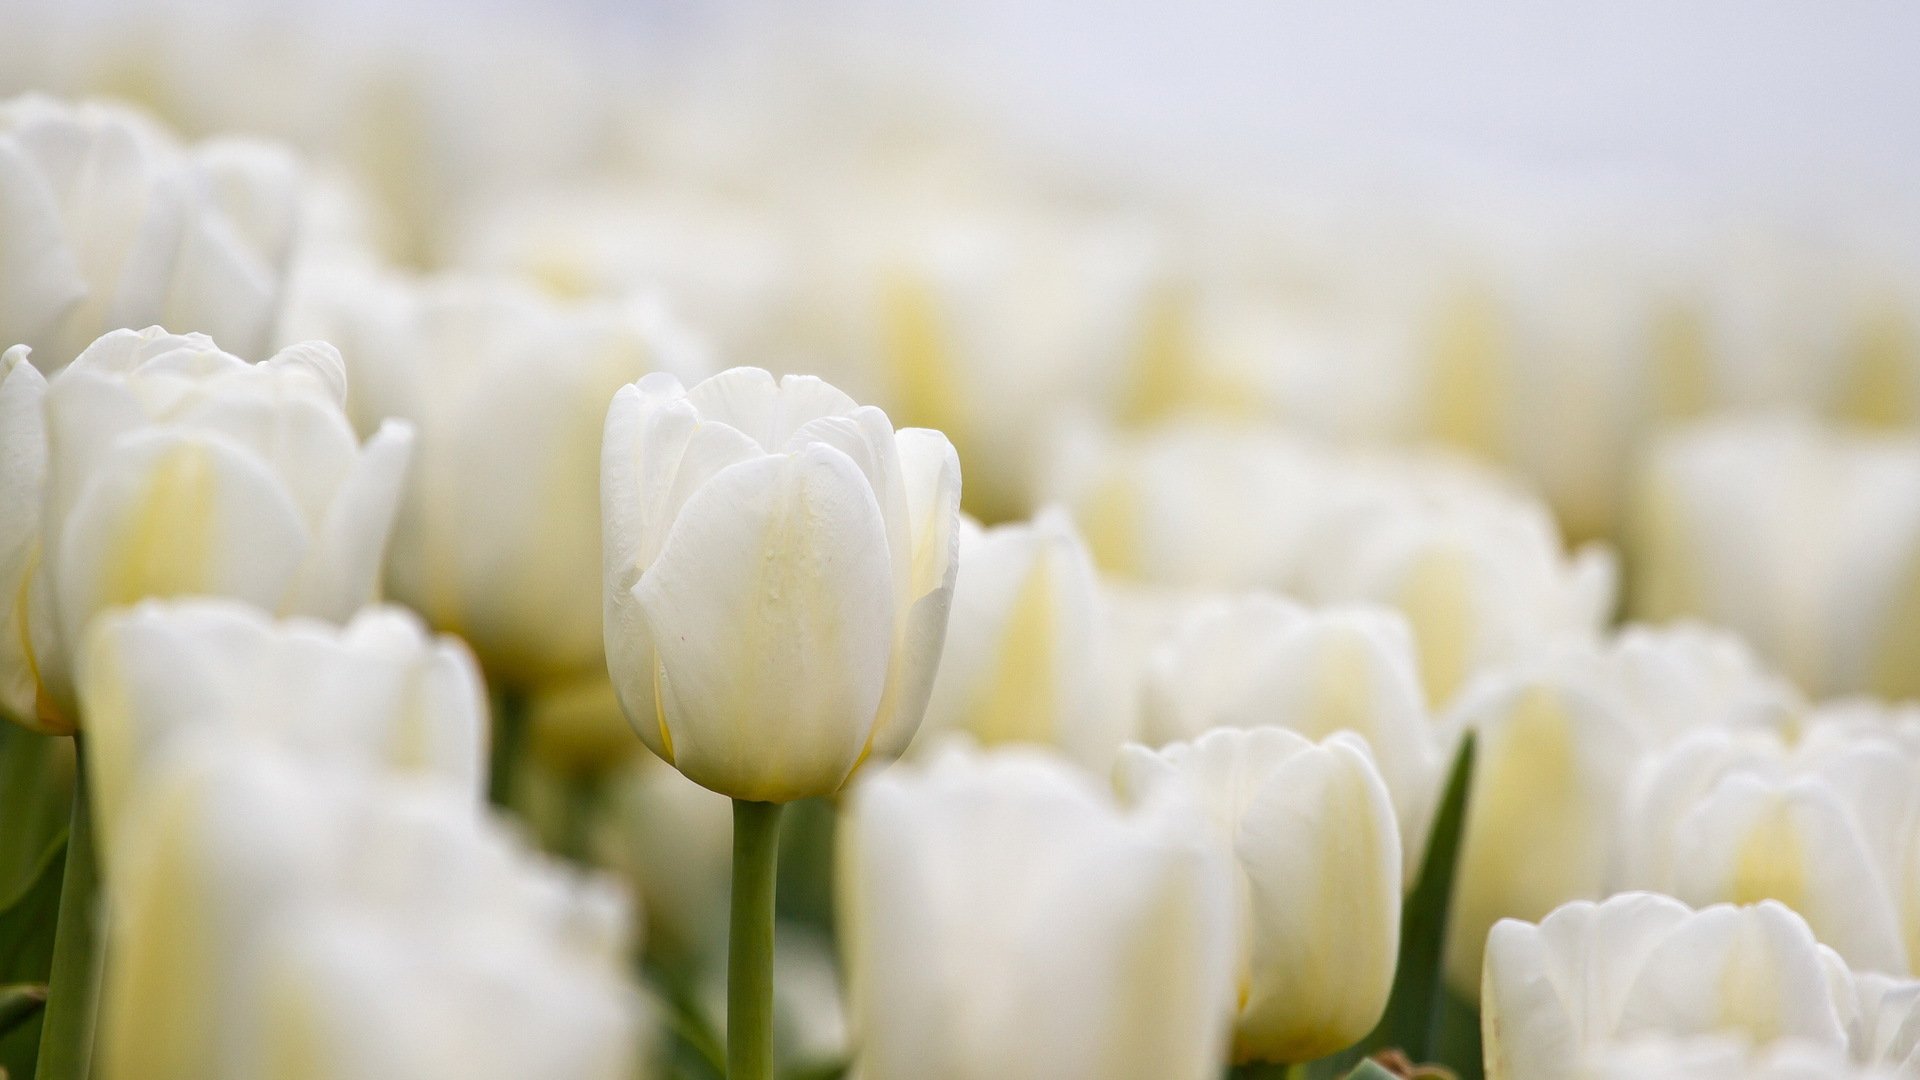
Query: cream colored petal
(342, 569)
(1321, 850)
(23, 479)
(172, 514)
(40, 280)
(773, 621)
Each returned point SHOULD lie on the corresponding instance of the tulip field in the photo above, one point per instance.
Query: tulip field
(517, 564)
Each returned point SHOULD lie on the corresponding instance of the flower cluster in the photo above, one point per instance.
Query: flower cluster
(488, 591)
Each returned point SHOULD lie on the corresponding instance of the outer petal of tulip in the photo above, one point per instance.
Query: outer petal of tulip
(773, 624)
(1002, 918)
(378, 692)
(23, 478)
(1312, 830)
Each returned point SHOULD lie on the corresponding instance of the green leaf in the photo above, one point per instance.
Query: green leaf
(1371, 1070)
(36, 794)
(27, 923)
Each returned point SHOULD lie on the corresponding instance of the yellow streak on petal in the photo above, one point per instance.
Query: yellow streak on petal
(1018, 700)
(1468, 383)
(1770, 863)
(1437, 599)
(164, 547)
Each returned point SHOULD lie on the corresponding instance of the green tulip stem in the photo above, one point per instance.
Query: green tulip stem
(756, 856)
(66, 1037)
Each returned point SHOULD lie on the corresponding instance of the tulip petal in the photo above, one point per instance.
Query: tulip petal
(772, 619)
(23, 479)
(342, 571)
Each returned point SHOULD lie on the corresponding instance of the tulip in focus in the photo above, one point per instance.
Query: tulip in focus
(1592, 976)
(273, 918)
(378, 692)
(1025, 658)
(156, 465)
(1002, 919)
(498, 532)
(779, 563)
(110, 223)
(1311, 830)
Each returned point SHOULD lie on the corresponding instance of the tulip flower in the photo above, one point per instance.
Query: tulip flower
(110, 223)
(1802, 538)
(1003, 919)
(1311, 830)
(1726, 1058)
(1590, 976)
(1025, 655)
(156, 465)
(779, 564)
(378, 692)
(1479, 572)
(1256, 661)
(1824, 825)
(272, 918)
(498, 533)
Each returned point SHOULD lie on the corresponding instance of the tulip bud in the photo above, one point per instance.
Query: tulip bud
(1824, 826)
(1311, 830)
(275, 919)
(1642, 965)
(110, 223)
(1258, 661)
(378, 691)
(1804, 539)
(1024, 656)
(1002, 919)
(156, 465)
(778, 569)
(498, 532)
(1479, 572)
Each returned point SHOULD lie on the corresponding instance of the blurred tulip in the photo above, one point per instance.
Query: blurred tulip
(1024, 660)
(498, 532)
(1590, 976)
(156, 465)
(1478, 570)
(1727, 1058)
(1825, 825)
(1001, 918)
(1311, 829)
(378, 691)
(1553, 747)
(1804, 539)
(779, 564)
(1259, 661)
(1191, 504)
(273, 919)
(671, 840)
(110, 223)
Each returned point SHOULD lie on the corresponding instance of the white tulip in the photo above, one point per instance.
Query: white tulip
(279, 919)
(156, 465)
(1311, 830)
(110, 223)
(1193, 505)
(498, 535)
(1590, 977)
(1257, 660)
(1827, 826)
(1003, 919)
(1727, 1058)
(1804, 539)
(1479, 571)
(671, 840)
(379, 692)
(779, 564)
(1025, 656)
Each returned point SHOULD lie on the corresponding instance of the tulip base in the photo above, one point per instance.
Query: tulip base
(756, 855)
(66, 1035)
